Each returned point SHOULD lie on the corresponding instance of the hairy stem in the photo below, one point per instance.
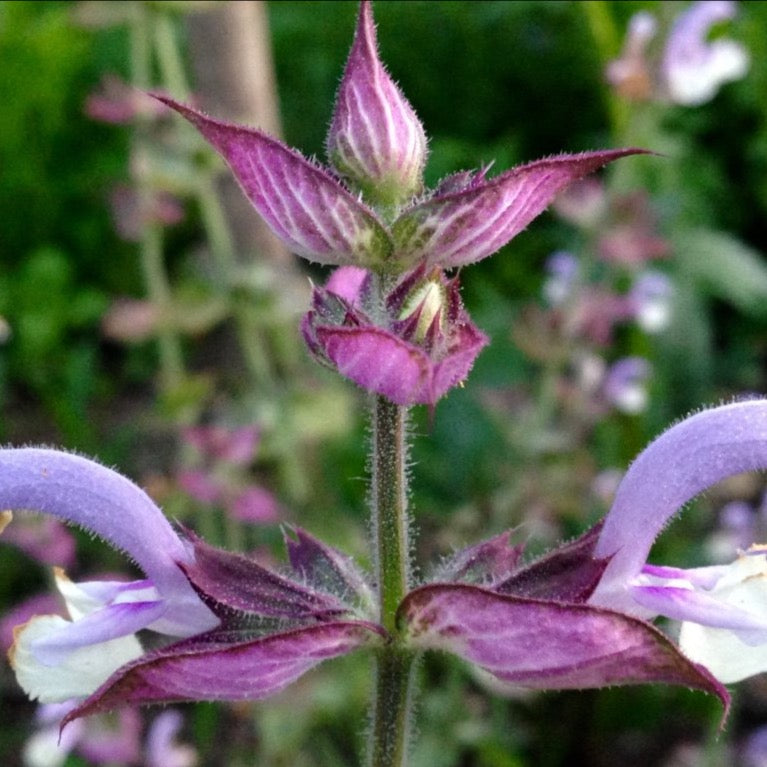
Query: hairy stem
(389, 500)
(391, 713)
(394, 664)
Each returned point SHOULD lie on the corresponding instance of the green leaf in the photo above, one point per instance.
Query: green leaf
(726, 268)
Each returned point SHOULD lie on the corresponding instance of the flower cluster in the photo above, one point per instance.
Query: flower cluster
(392, 321)
(225, 628)
(218, 474)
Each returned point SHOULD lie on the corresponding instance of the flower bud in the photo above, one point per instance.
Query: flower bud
(375, 141)
(424, 309)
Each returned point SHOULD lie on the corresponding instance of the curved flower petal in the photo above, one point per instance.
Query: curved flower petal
(684, 604)
(546, 645)
(77, 675)
(464, 227)
(379, 361)
(101, 626)
(214, 667)
(686, 459)
(720, 636)
(104, 502)
(375, 137)
(311, 212)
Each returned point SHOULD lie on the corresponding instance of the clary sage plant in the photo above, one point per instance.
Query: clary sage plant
(216, 625)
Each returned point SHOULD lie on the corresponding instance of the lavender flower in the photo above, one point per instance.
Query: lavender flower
(251, 632)
(161, 748)
(721, 607)
(106, 740)
(562, 273)
(45, 540)
(625, 385)
(651, 296)
(692, 68)
(368, 211)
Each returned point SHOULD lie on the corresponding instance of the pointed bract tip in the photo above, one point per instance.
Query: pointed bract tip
(376, 140)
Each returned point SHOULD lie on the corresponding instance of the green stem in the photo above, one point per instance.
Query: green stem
(217, 230)
(394, 664)
(389, 500)
(391, 714)
(151, 245)
(607, 39)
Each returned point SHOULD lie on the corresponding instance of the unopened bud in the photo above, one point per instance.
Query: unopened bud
(424, 306)
(376, 140)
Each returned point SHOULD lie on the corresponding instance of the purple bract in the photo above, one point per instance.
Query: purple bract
(368, 211)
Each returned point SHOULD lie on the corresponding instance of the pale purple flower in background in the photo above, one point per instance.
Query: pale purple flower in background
(590, 370)
(236, 445)
(367, 211)
(625, 385)
(100, 740)
(224, 455)
(117, 102)
(753, 749)
(561, 277)
(161, 747)
(47, 747)
(605, 485)
(199, 484)
(691, 69)
(110, 740)
(631, 239)
(132, 215)
(131, 320)
(583, 203)
(596, 313)
(43, 539)
(651, 296)
(694, 67)
(255, 505)
(739, 525)
(630, 74)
